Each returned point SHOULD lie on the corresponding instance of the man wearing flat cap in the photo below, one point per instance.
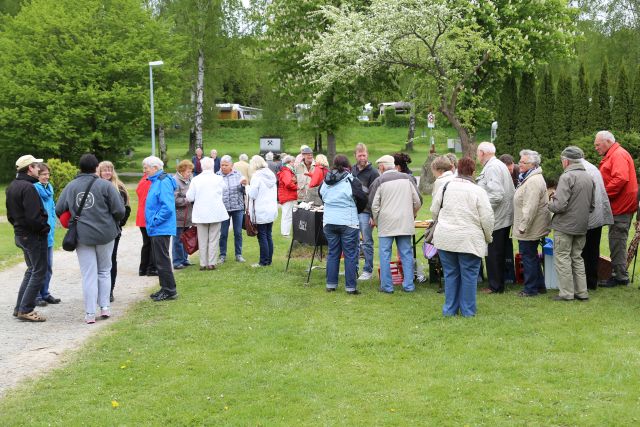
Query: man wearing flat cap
(303, 172)
(31, 228)
(395, 201)
(570, 205)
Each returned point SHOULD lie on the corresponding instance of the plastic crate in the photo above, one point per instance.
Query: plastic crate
(397, 275)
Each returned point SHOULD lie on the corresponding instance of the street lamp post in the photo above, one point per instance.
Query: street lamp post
(153, 125)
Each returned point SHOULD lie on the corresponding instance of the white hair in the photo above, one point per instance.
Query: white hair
(206, 163)
(487, 147)
(606, 135)
(226, 159)
(533, 156)
(257, 162)
(269, 156)
(287, 159)
(243, 157)
(153, 162)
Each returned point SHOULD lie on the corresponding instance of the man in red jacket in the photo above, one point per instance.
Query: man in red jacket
(619, 174)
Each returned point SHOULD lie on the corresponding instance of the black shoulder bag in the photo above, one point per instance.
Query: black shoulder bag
(70, 240)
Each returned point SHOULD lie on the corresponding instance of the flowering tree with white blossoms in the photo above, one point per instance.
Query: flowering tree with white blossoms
(461, 48)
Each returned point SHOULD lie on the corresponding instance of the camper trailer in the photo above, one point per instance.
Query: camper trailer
(237, 112)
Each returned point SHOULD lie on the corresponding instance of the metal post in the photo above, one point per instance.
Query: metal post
(153, 130)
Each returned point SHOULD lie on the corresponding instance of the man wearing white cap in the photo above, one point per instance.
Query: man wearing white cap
(31, 228)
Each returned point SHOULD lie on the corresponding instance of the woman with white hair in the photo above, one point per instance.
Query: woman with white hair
(205, 191)
(263, 207)
(242, 166)
(287, 193)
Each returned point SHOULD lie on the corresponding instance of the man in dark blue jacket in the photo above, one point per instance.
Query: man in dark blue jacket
(160, 215)
(29, 219)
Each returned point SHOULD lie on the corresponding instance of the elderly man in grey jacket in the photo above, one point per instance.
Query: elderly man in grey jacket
(573, 197)
(600, 217)
(496, 181)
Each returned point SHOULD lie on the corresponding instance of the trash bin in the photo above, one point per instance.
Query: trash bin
(550, 278)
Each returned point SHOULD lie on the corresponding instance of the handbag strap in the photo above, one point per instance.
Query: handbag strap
(442, 201)
(84, 199)
(186, 215)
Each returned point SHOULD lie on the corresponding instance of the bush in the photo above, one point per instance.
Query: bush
(61, 174)
(393, 120)
(371, 124)
(238, 124)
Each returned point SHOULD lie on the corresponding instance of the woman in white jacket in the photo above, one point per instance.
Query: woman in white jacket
(205, 191)
(263, 206)
(464, 227)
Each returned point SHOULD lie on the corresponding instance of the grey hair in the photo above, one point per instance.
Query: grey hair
(487, 147)
(257, 162)
(533, 156)
(571, 161)
(287, 159)
(606, 135)
(226, 158)
(153, 162)
(206, 163)
(268, 156)
(243, 157)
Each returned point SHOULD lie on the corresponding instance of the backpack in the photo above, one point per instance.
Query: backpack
(359, 196)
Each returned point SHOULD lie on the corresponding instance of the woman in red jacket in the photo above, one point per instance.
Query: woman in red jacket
(147, 266)
(317, 176)
(287, 193)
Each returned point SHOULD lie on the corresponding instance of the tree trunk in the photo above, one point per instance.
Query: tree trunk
(466, 140)
(319, 142)
(412, 131)
(331, 146)
(192, 141)
(199, 100)
(162, 144)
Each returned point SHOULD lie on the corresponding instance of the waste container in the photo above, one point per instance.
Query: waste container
(550, 278)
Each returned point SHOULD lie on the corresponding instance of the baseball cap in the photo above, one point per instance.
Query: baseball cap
(25, 161)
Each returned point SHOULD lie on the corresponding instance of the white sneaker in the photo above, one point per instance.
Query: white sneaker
(365, 276)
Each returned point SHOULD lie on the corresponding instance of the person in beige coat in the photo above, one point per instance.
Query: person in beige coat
(394, 207)
(531, 220)
(464, 228)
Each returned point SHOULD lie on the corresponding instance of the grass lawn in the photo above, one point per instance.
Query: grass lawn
(257, 347)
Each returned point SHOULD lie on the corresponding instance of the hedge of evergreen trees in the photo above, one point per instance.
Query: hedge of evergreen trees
(547, 114)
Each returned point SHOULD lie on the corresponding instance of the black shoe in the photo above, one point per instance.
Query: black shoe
(581, 298)
(142, 273)
(440, 289)
(40, 302)
(354, 292)
(111, 298)
(152, 273)
(163, 295)
(612, 282)
(542, 290)
(52, 300)
(155, 294)
(331, 289)
(559, 298)
(384, 292)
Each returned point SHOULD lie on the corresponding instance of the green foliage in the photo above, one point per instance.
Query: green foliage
(594, 110)
(543, 123)
(61, 173)
(563, 115)
(580, 116)
(634, 118)
(604, 100)
(74, 77)
(526, 112)
(507, 115)
(238, 124)
(621, 110)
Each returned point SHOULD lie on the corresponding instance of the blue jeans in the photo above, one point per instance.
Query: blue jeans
(460, 282)
(406, 257)
(533, 278)
(237, 217)
(179, 254)
(266, 243)
(367, 241)
(35, 249)
(44, 290)
(342, 239)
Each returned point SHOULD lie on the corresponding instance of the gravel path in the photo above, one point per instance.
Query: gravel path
(31, 349)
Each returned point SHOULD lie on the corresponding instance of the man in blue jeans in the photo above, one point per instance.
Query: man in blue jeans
(233, 199)
(394, 206)
(30, 225)
(366, 174)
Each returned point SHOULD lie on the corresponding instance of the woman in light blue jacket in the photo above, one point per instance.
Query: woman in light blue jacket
(45, 191)
(341, 225)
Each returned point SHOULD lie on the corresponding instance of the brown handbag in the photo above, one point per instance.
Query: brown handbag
(189, 237)
(249, 226)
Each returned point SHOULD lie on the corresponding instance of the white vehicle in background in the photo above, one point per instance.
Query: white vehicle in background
(238, 112)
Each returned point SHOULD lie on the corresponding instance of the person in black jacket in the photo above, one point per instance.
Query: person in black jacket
(366, 174)
(31, 228)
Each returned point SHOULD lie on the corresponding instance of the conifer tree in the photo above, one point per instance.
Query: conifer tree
(604, 101)
(563, 113)
(594, 120)
(621, 103)
(580, 116)
(634, 117)
(543, 123)
(507, 115)
(525, 113)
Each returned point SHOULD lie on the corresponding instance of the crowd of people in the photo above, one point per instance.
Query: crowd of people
(474, 218)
